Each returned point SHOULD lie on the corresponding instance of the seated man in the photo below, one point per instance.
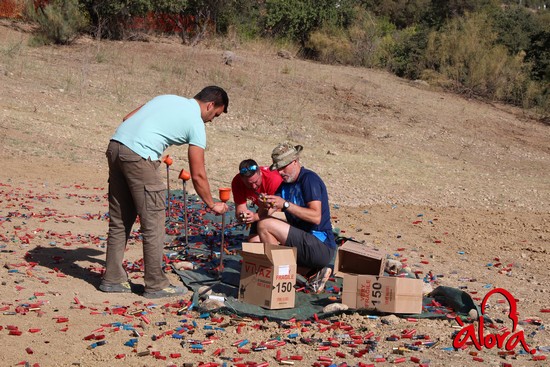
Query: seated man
(250, 183)
(303, 199)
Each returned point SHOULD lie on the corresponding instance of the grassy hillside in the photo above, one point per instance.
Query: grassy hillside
(373, 137)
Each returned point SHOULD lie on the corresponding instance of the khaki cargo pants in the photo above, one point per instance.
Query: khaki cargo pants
(135, 188)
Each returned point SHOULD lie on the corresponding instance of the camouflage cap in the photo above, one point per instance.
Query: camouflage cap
(283, 154)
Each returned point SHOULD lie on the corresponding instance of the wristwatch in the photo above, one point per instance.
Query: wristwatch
(286, 205)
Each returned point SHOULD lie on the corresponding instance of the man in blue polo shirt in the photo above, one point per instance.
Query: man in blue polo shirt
(136, 186)
(303, 198)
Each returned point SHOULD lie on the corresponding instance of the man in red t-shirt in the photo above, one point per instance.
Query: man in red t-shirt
(251, 183)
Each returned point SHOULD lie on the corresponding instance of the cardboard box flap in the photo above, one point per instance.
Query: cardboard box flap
(274, 253)
(253, 248)
(364, 250)
(280, 254)
(357, 258)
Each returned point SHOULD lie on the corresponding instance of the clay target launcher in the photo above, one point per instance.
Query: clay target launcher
(184, 177)
(224, 194)
(168, 161)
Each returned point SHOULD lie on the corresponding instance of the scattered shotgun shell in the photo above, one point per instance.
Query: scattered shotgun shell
(97, 344)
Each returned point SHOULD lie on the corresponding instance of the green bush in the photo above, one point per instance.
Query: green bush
(242, 17)
(297, 19)
(331, 48)
(59, 21)
(118, 19)
(466, 53)
(404, 53)
(403, 14)
(358, 44)
(366, 34)
(539, 54)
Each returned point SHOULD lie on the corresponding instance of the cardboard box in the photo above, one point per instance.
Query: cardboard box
(357, 258)
(381, 293)
(268, 275)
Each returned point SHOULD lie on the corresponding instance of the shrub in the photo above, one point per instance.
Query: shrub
(469, 56)
(297, 19)
(331, 48)
(358, 44)
(539, 54)
(59, 21)
(366, 34)
(405, 53)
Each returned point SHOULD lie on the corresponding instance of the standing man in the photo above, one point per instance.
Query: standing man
(251, 183)
(136, 187)
(304, 200)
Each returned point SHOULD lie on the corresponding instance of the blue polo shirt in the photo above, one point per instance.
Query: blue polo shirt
(163, 121)
(309, 187)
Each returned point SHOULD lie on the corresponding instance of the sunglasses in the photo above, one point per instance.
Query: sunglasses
(245, 170)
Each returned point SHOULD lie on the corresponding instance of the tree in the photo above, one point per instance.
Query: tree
(192, 18)
(110, 18)
(441, 10)
(539, 54)
(59, 21)
(402, 13)
(296, 19)
(515, 26)
(243, 16)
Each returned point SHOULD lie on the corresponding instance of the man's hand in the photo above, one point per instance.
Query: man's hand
(310, 213)
(273, 201)
(219, 208)
(247, 217)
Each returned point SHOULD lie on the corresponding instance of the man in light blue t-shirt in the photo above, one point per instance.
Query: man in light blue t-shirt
(136, 186)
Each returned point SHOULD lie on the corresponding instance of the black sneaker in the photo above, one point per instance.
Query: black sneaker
(170, 291)
(116, 287)
(318, 281)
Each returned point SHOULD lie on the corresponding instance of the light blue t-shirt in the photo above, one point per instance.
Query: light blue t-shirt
(163, 121)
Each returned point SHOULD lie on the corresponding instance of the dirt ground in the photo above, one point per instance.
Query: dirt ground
(457, 187)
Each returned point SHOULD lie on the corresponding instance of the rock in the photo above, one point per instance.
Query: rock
(284, 54)
(393, 266)
(212, 304)
(185, 265)
(421, 82)
(391, 319)
(228, 57)
(335, 307)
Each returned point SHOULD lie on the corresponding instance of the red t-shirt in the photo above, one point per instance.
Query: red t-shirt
(271, 180)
